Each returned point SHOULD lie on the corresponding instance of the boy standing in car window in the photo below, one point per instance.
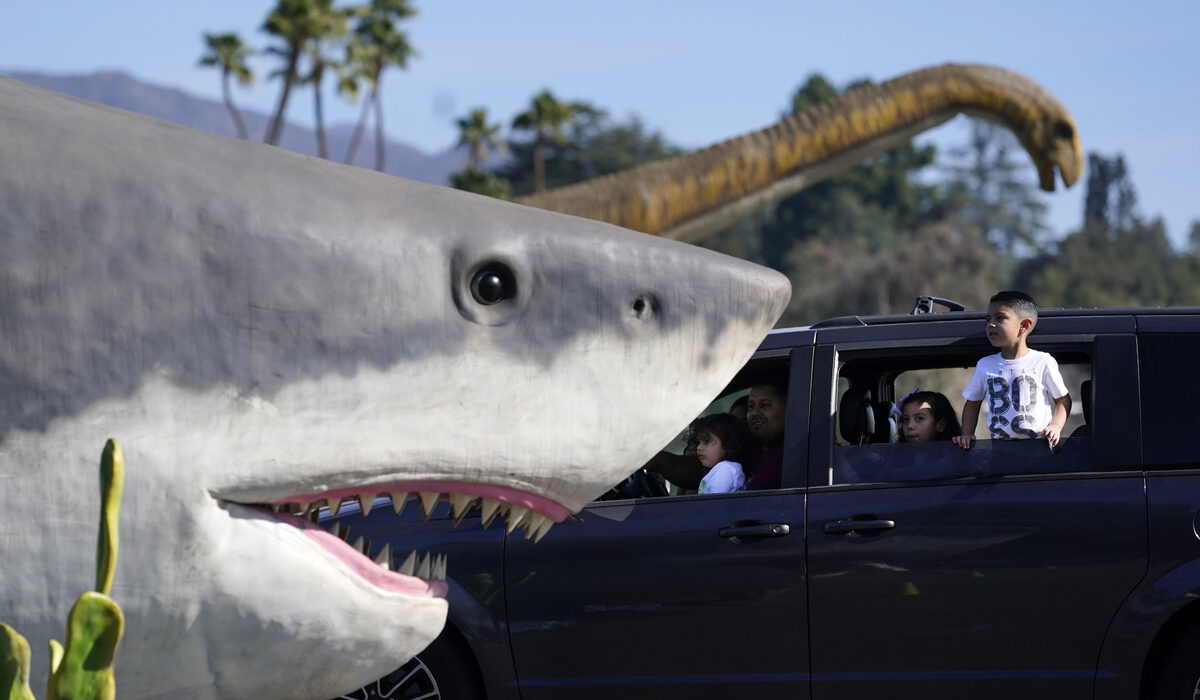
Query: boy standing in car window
(1026, 395)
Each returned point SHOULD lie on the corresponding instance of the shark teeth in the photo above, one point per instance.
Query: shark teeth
(460, 503)
(384, 558)
(535, 524)
(428, 501)
(426, 566)
(365, 502)
(488, 510)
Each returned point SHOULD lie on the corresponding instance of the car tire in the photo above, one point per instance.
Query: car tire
(443, 671)
(1179, 678)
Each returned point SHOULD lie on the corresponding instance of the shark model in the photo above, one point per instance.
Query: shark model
(265, 331)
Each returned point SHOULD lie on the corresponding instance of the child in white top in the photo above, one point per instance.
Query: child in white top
(723, 442)
(1026, 395)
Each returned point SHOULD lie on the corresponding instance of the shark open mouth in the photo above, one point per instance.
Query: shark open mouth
(411, 573)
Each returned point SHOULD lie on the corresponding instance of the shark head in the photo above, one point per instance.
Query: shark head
(265, 333)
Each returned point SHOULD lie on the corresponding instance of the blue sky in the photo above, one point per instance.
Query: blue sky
(697, 71)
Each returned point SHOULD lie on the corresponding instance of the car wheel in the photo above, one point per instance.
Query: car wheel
(443, 671)
(1180, 675)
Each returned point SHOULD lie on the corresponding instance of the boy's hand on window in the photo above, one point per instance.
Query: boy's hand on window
(1052, 433)
(964, 441)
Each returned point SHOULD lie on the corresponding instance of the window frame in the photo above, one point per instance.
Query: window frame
(1116, 440)
(1154, 330)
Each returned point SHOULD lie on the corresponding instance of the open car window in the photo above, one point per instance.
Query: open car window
(644, 482)
(869, 445)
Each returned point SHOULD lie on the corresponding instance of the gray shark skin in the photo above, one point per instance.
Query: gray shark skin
(259, 328)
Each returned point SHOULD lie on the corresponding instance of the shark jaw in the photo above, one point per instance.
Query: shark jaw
(411, 573)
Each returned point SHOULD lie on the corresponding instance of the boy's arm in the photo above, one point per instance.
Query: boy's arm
(1062, 408)
(970, 419)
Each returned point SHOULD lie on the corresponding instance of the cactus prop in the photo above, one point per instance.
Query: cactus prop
(83, 669)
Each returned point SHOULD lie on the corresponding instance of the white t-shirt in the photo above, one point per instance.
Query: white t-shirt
(1019, 394)
(724, 477)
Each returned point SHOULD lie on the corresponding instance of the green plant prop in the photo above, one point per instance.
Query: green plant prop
(83, 669)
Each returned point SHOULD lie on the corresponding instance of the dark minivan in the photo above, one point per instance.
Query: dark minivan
(879, 568)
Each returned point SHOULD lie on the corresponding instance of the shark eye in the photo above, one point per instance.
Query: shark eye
(493, 283)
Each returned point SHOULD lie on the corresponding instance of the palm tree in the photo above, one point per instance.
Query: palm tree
(547, 117)
(377, 44)
(318, 51)
(228, 52)
(295, 22)
(478, 136)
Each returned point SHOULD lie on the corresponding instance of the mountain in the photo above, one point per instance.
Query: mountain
(121, 90)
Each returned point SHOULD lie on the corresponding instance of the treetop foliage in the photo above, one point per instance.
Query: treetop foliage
(313, 37)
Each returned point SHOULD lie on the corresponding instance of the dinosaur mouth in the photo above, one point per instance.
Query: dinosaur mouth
(411, 572)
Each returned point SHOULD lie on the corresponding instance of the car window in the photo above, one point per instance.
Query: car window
(1170, 421)
(678, 458)
(869, 444)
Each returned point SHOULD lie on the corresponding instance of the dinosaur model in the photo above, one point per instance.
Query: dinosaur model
(269, 332)
(694, 195)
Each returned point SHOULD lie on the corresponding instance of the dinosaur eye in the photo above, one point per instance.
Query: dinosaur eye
(1063, 130)
(492, 284)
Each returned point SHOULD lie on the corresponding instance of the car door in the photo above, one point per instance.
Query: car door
(699, 596)
(997, 580)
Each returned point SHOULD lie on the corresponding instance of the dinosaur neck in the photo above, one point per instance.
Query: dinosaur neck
(693, 195)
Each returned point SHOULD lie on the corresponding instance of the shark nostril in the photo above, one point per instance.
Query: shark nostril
(644, 306)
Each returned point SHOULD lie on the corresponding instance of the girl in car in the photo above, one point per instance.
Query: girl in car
(926, 416)
(722, 444)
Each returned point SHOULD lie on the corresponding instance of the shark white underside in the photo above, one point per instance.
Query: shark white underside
(263, 331)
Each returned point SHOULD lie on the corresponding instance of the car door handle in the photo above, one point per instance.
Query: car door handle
(756, 531)
(841, 527)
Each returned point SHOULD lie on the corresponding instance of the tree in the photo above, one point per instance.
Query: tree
(1116, 258)
(593, 146)
(377, 44)
(480, 182)
(1110, 198)
(1098, 266)
(547, 117)
(844, 276)
(228, 52)
(815, 90)
(478, 136)
(295, 23)
(319, 52)
(599, 146)
(990, 193)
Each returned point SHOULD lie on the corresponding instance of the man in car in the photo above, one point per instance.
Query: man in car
(766, 417)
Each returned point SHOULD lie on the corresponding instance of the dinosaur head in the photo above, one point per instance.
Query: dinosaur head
(1054, 143)
(1040, 122)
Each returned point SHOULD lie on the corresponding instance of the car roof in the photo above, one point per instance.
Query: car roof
(842, 321)
(965, 323)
